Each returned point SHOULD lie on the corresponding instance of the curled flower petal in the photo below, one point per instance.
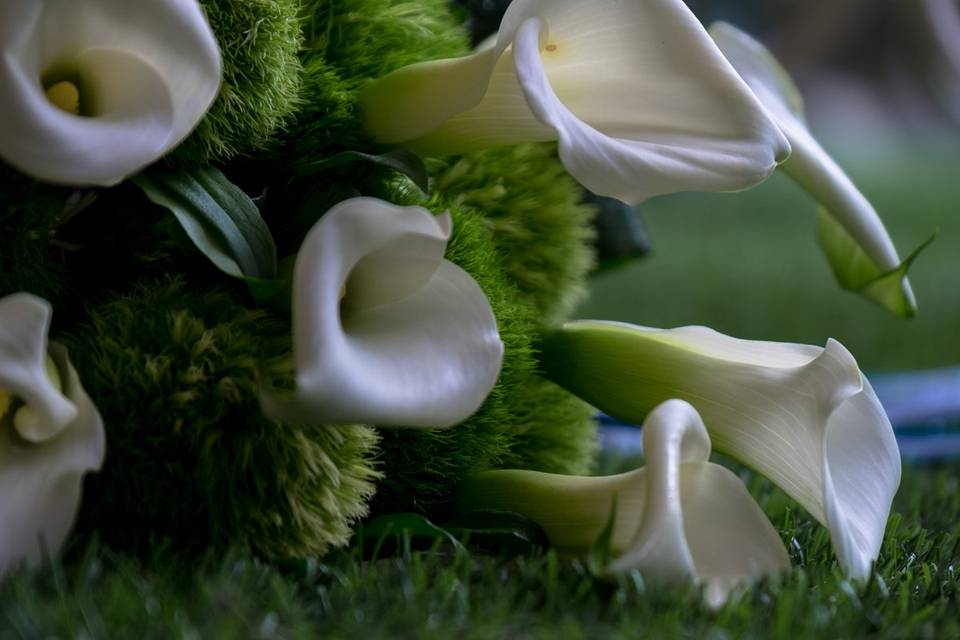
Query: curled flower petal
(849, 230)
(413, 342)
(638, 96)
(681, 518)
(95, 90)
(24, 323)
(805, 417)
(41, 469)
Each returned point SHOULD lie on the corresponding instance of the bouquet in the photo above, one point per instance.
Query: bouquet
(272, 268)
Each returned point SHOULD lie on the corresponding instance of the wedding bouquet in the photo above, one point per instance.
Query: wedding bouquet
(273, 267)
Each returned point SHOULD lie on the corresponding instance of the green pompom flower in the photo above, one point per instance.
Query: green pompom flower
(191, 460)
(262, 77)
(540, 224)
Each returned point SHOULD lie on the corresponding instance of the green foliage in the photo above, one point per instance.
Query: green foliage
(29, 215)
(223, 222)
(915, 595)
(262, 77)
(190, 459)
(540, 224)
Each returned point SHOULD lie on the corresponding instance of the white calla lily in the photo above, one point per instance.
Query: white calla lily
(95, 90)
(850, 232)
(805, 417)
(50, 435)
(385, 330)
(638, 96)
(681, 518)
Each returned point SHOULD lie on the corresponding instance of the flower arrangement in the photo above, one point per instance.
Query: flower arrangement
(309, 261)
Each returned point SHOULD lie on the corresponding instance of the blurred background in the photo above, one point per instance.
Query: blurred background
(881, 80)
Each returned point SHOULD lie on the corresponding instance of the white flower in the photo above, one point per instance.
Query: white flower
(680, 519)
(50, 435)
(385, 330)
(850, 232)
(95, 90)
(805, 417)
(635, 91)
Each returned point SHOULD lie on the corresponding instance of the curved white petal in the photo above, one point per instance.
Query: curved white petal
(803, 416)
(637, 94)
(146, 73)
(854, 218)
(414, 341)
(679, 519)
(41, 470)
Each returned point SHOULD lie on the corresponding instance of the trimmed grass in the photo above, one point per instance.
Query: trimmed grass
(437, 594)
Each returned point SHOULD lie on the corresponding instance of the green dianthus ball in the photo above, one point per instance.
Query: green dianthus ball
(535, 210)
(349, 42)
(365, 39)
(260, 41)
(191, 460)
(327, 123)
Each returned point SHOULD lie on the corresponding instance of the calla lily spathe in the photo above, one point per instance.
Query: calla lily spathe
(805, 417)
(385, 330)
(680, 519)
(50, 435)
(850, 232)
(637, 94)
(95, 90)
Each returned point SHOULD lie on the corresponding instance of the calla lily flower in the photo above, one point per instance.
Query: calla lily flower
(638, 96)
(50, 435)
(95, 90)
(805, 417)
(385, 330)
(852, 235)
(681, 518)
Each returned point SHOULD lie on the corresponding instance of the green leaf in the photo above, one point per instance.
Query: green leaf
(855, 270)
(221, 220)
(401, 161)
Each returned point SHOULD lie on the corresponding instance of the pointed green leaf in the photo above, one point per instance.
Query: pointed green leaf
(221, 220)
(855, 270)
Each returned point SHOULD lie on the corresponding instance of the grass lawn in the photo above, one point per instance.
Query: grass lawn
(916, 593)
(745, 264)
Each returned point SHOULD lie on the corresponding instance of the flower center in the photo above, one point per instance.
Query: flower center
(65, 96)
(11, 407)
